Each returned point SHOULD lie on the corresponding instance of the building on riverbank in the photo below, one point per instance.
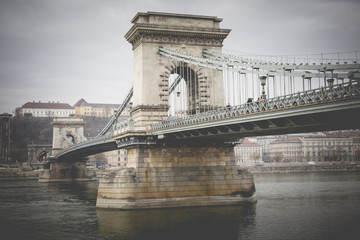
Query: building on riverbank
(307, 147)
(116, 158)
(83, 108)
(46, 109)
(37, 154)
(248, 153)
(111, 159)
(327, 148)
(286, 150)
(265, 141)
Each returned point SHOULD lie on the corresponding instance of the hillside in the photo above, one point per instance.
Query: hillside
(32, 130)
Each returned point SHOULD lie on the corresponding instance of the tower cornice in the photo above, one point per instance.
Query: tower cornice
(170, 28)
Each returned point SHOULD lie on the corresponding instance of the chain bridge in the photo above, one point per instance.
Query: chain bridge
(191, 99)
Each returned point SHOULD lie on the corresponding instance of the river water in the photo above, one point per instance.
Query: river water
(290, 206)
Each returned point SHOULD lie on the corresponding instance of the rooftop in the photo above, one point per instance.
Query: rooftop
(83, 103)
(47, 105)
(248, 143)
(174, 15)
(288, 140)
(78, 103)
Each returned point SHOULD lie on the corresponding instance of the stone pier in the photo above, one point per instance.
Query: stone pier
(176, 177)
(66, 132)
(174, 174)
(65, 172)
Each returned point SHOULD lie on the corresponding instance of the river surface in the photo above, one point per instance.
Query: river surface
(290, 206)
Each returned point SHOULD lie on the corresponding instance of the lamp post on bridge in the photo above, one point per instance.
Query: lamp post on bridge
(263, 83)
(330, 82)
(306, 76)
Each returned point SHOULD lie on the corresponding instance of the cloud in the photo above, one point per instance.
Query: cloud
(66, 50)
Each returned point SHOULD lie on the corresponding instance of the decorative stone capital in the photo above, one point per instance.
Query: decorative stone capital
(150, 108)
(65, 121)
(166, 28)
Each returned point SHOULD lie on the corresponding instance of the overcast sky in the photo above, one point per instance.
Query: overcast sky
(64, 50)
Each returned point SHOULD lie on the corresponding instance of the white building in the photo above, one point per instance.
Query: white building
(313, 148)
(248, 153)
(265, 141)
(286, 150)
(46, 109)
(318, 149)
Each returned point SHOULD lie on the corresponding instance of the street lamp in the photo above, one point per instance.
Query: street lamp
(263, 83)
(330, 82)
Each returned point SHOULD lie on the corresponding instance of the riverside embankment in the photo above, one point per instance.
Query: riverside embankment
(304, 167)
(18, 173)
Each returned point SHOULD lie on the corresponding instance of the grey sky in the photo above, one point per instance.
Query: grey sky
(64, 50)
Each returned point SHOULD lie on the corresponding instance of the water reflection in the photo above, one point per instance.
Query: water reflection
(290, 206)
(185, 223)
(33, 210)
(70, 191)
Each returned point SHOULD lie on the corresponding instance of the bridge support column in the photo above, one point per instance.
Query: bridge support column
(65, 171)
(158, 177)
(145, 115)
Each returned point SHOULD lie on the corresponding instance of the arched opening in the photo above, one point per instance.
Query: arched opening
(42, 156)
(184, 94)
(71, 138)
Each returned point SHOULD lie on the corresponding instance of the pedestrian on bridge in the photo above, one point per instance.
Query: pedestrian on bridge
(249, 102)
(228, 106)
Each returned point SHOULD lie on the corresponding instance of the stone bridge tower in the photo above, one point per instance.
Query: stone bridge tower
(181, 173)
(66, 131)
(186, 33)
(70, 127)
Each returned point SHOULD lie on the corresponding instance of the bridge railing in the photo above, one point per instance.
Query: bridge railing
(86, 143)
(122, 127)
(317, 59)
(314, 96)
(117, 128)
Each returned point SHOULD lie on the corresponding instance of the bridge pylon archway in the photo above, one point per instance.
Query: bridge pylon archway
(179, 174)
(66, 132)
(190, 34)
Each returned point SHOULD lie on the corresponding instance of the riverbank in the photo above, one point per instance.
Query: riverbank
(304, 167)
(18, 173)
(25, 172)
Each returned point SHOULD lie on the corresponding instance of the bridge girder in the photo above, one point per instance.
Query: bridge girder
(295, 120)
